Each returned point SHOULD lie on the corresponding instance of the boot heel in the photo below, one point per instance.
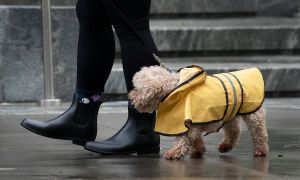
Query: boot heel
(149, 151)
(79, 142)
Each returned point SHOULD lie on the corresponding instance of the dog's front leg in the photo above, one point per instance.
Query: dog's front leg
(196, 142)
(179, 148)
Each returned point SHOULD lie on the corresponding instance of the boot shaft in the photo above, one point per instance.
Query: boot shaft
(144, 123)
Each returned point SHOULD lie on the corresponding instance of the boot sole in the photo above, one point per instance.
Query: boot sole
(154, 150)
(80, 142)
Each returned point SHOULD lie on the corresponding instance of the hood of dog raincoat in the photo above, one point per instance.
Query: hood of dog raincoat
(204, 99)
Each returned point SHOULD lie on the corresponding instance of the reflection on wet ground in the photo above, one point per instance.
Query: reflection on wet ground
(24, 155)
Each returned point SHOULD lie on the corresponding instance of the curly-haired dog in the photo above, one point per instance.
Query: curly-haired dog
(190, 103)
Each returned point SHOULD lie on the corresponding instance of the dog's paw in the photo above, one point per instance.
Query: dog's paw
(225, 147)
(195, 155)
(198, 153)
(260, 152)
(173, 155)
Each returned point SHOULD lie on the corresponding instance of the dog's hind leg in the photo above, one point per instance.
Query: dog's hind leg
(257, 127)
(231, 135)
(179, 148)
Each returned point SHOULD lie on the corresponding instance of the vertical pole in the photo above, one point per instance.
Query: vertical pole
(298, 7)
(298, 13)
(48, 56)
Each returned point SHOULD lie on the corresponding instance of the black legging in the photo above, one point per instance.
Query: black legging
(96, 47)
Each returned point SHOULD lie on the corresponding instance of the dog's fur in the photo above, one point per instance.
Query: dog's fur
(153, 83)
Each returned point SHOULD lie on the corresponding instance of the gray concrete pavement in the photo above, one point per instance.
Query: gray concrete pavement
(24, 155)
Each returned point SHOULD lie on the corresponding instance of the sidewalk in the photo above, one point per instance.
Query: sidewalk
(24, 155)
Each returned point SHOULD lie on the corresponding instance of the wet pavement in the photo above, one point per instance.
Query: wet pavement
(24, 155)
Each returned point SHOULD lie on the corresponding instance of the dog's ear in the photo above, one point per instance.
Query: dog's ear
(151, 84)
(133, 94)
(145, 99)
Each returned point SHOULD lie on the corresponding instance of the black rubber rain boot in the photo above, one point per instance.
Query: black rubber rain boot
(136, 136)
(78, 123)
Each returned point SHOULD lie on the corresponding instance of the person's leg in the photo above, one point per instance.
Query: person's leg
(134, 53)
(95, 58)
(137, 135)
(96, 46)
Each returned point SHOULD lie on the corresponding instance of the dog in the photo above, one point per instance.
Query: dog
(180, 99)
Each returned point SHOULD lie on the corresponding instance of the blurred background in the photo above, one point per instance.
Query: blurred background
(219, 35)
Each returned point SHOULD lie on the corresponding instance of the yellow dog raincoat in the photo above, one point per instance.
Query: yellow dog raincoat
(206, 99)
